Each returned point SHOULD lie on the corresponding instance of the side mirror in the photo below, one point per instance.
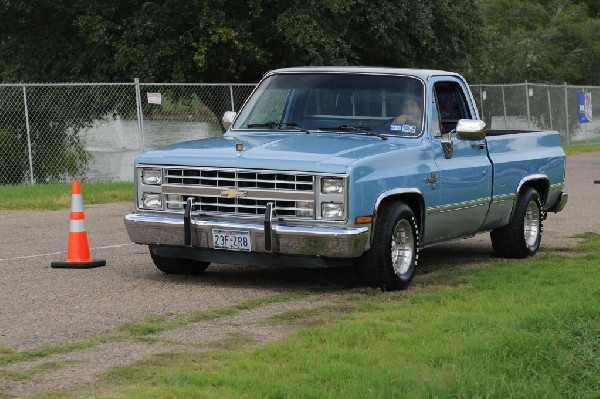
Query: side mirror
(469, 129)
(227, 119)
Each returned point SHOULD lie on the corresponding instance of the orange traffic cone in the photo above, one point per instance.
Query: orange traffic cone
(78, 252)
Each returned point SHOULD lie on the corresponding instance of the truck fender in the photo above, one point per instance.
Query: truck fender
(413, 197)
(540, 182)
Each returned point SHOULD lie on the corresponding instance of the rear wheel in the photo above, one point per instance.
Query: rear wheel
(522, 236)
(390, 263)
(178, 265)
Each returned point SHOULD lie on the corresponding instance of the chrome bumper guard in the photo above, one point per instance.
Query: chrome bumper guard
(333, 242)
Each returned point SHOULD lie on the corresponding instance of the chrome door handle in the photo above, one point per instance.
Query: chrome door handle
(479, 146)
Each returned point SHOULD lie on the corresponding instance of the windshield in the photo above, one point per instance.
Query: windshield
(330, 102)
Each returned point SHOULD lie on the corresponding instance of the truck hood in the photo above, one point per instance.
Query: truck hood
(294, 151)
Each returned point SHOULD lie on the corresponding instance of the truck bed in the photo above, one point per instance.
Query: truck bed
(499, 132)
(524, 154)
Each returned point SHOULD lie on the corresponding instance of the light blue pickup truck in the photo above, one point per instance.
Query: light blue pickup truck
(346, 166)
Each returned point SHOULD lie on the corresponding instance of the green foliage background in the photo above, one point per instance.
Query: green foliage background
(227, 40)
(539, 41)
(487, 41)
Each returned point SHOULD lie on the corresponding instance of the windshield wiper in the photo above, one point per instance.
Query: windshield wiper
(353, 130)
(278, 125)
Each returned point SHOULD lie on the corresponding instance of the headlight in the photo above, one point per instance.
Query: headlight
(151, 176)
(332, 186)
(332, 210)
(151, 201)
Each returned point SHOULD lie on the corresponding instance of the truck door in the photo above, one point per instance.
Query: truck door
(465, 180)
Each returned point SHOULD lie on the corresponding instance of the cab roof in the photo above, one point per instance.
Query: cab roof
(423, 74)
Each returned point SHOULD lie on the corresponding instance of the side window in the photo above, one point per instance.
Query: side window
(452, 104)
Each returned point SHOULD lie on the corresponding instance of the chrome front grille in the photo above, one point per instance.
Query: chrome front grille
(241, 206)
(239, 179)
(239, 192)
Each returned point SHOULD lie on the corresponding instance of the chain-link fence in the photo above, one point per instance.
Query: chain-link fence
(57, 132)
(531, 106)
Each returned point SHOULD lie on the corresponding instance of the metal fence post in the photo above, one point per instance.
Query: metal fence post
(567, 113)
(231, 96)
(140, 111)
(504, 107)
(29, 152)
(550, 107)
(481, 88)
(528, 111)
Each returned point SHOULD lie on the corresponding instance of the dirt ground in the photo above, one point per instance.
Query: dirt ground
(40, 305)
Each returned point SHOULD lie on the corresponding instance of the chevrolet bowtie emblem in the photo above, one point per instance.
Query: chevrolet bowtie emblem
(233, 193)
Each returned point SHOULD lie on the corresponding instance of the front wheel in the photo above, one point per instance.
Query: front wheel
(178, 265)
(390, 263)
(522, 236)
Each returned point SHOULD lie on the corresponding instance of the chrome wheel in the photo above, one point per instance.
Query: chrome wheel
(402, 247)
(521, 237)
(531, 225)
(391, 261)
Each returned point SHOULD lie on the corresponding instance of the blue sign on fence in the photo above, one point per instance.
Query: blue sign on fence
(584, 100)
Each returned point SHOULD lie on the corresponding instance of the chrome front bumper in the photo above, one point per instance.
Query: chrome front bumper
(332, 242)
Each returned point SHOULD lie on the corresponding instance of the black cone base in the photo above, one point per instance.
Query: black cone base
(78, 265)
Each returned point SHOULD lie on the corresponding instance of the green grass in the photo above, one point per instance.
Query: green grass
(58, 196)
(580, 148)
(9, 356)
(511, 329)
(157, 324)
(33, 371)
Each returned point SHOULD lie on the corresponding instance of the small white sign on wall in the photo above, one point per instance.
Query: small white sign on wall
(154, 98)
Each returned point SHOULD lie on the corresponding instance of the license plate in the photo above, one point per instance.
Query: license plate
(233, 240)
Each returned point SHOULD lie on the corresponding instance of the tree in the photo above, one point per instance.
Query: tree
(233, 41)
(540, 41)
(395, 33)
(227, 40)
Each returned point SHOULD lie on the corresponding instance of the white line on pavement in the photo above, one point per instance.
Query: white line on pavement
(63, 252)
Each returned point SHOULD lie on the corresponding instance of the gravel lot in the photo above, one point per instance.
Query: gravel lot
(40, 305)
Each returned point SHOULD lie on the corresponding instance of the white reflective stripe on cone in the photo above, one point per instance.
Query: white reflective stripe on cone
(77, 226)
(76, 203)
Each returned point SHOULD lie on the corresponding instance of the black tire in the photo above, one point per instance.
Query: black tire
(390, 263)
(178, 265)
(522, 236)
